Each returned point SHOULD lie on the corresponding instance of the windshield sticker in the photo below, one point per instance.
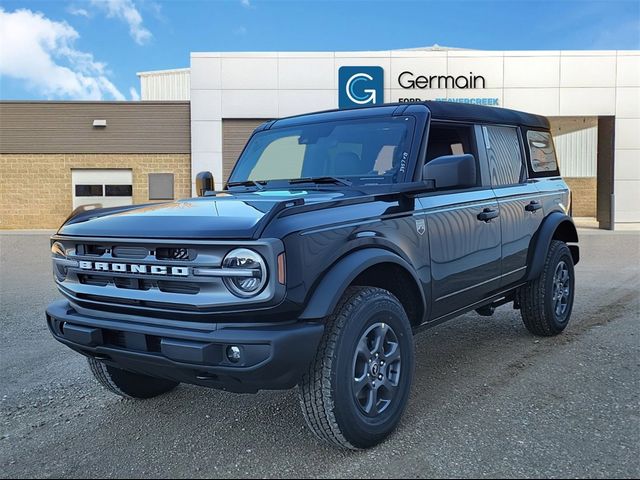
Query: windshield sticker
(403, 162)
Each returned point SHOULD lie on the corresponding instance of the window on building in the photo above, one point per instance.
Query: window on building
(118, 190)
(505, 157)
(543, 156)
(88, 190)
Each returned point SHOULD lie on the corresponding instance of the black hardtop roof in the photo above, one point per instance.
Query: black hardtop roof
(440, 110)
(483, 114)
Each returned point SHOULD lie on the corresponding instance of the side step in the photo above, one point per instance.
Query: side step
(487, 310)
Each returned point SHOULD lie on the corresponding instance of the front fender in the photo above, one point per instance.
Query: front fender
(558, 226)
(327, 293)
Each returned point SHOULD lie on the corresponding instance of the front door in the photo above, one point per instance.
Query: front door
(463, 226)
(465, 249)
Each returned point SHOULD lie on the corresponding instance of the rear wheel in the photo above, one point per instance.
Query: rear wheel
(546, 302)
(129, 384)
(358, 385)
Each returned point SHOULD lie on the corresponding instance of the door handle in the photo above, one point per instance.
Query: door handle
(487, 214)
(533, 206)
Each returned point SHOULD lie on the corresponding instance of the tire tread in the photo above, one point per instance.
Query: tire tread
(104, 378)
(128, 384)
(532, 297)
(315, 388)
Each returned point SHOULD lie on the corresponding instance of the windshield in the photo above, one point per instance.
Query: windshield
(363, 151)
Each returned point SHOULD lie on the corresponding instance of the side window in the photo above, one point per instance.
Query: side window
(541, 151)
(449, 140)
(505, 157)
(453, 172)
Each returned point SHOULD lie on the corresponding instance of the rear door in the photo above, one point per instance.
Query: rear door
(520, 207)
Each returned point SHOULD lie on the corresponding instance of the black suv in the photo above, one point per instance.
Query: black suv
(338, 236)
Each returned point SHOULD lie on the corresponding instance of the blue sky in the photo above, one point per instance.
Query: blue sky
(92, 49)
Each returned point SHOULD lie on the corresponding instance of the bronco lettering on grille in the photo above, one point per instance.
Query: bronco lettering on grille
(134, 268)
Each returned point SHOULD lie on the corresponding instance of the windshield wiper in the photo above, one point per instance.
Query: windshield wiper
(259, 184)
(321, 180)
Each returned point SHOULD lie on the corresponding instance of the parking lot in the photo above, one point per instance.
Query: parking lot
(488, 399)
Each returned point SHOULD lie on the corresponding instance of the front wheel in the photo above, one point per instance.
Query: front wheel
(128, 384)
(357, 387)
(546, 302)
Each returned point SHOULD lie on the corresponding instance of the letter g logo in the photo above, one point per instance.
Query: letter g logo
(360, 86)
(370, 96)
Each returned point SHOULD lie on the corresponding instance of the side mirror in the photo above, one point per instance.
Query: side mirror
(204, 183)
(452, 171)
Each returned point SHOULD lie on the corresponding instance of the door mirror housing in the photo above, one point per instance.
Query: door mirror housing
(204, 183)
(452, 171)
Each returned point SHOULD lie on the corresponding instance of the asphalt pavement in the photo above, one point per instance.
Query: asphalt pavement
(488, 399)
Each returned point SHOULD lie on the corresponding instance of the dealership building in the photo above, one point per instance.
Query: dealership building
(55, 156)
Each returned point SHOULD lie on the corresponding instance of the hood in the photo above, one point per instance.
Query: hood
(224, 215)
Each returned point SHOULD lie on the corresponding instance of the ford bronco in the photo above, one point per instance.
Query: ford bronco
(338, 235)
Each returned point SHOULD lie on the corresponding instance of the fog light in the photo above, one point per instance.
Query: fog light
(233, 353)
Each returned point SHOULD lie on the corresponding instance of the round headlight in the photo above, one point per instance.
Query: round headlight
(59, 269)
(250, 274)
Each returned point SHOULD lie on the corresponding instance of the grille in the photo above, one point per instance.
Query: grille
(175, 254)
(130, 252)
(156, 278)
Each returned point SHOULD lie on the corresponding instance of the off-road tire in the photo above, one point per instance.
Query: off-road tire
(327, 394)
(536, 298)
(129, 384)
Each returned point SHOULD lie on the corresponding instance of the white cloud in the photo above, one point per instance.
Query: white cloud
(41, 52)
(246, 3)
(135, 96)
(126, 11)
(78, 12)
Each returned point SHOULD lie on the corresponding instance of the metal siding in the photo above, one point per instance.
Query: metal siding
(166, 85)
(576, 142)
(67, 127)
(235, 134)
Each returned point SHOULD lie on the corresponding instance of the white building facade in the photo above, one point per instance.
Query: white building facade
(591, 97)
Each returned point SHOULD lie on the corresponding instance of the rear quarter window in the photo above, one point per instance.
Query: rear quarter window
(505, 156)
(541, 153)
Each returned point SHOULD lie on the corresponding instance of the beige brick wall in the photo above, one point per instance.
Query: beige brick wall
(35, 189)
(584, 198)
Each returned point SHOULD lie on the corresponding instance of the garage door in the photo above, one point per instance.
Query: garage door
(109, 188)
(576, 140)
(235, 134)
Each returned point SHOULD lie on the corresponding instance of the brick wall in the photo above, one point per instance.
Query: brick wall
(35, 189)
(583, 195)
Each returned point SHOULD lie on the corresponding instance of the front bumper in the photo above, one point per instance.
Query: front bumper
(273, 357)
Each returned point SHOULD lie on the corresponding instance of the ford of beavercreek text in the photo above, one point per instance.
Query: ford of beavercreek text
(336, 238)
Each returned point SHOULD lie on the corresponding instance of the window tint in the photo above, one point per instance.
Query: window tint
(449, 140)
(367, 151)
(88, 190)
(282, 158)
(543, 155)
(505, 157)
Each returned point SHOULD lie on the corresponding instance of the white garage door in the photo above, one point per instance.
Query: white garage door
(576, 140)
(109, 188)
